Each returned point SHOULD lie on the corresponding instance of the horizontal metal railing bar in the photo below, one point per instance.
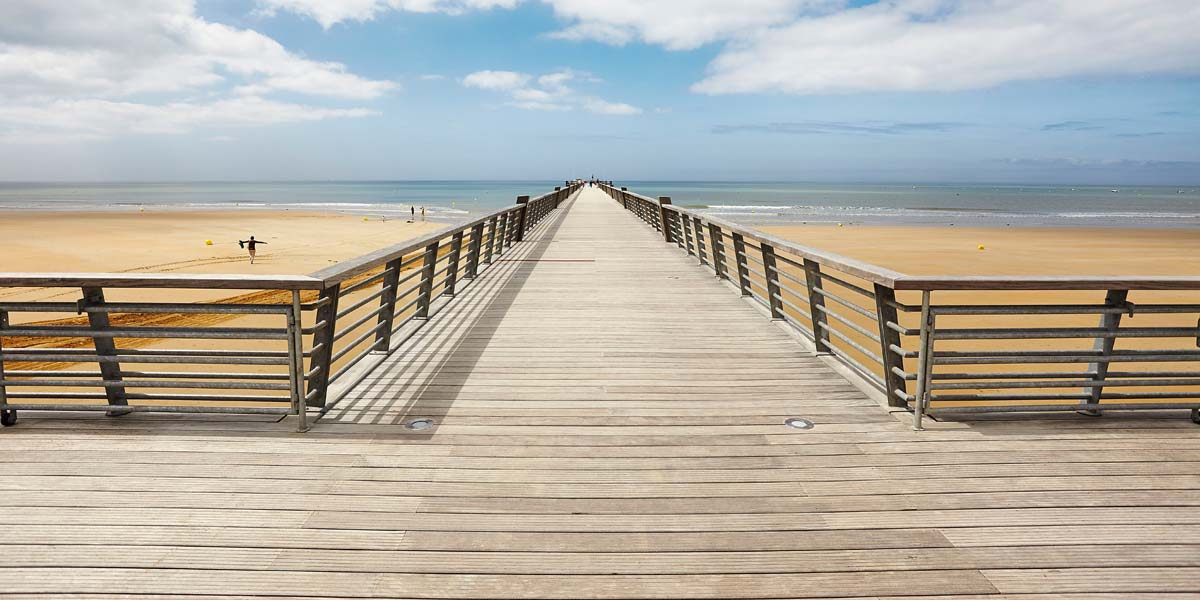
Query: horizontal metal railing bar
(239, 333)
(903, 396)
(1018, 360)
(902, 330)
(798, 325)
(146, 396)
(146, 308)
(905, 375)
(826, 276)
(902, 353)
(792, 306)
(181, 385)
(357, 305)
(359, 321)
(1051, 397)
(1054, 353)
(150, 352)
(1063, 309)
(788, 276)
(1066, 332)
(346, 368)
(848, 323)
(409, 305)
(149, 374)
(366, 335)
(368, 282)
(860, 368)
(318, 326)
(1061, 375)
(853, 344)
(1086, 383)
(848, 304)
(1029, 282)
(161, 280)
(170, 360)
(249, 410)
(1069, 407)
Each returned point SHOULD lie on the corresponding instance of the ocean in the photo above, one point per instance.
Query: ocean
(752, 203)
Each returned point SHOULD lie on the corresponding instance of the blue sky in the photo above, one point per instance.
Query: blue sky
(1045, 91)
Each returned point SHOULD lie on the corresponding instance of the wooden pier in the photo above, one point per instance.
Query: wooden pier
(596, 417)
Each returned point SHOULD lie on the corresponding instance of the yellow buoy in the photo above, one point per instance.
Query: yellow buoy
(981, 246)
(839, 224)
(366, 219)
(207, 242)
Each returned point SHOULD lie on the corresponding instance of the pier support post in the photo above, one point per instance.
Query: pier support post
(772, 276)
(625, 198)
(1098, 371)
(739, 258)
(522, 217)
(558, 196)
(491, 245)
(383, 337)
(663, 202)
(428, 262)
(717, 241)
(816, 304)
(106, 347)
(4, 412)
(701, 246)
(885, 311)
(473, 251)
(322, 348)
(452, 263)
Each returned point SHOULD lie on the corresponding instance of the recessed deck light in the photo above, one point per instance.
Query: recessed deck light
(419, 424)
(798, 423)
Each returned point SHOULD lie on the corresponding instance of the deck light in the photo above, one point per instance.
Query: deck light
(798, 423)
(419, 424)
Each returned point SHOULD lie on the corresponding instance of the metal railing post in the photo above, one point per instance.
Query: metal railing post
(452, 263)
(322, 348)
(663, 203)
(558, 194)
(625, 198)
(717, 240)
(473, 251)
(491, 244)
(4, 412)
(924, 362)
(110, 370)
(383, 336)
(1098, 371)
(296, 362)
(812, 279)
(739, 258)
(772, 277)
(522, 217)
(685, 230)
(425, 290)
(701, 249)
(885, 311)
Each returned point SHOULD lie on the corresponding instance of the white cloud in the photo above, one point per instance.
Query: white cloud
(549, 92)
(944, 45)
(604, 107)
(66, 120)
(496, 80)
(331, 12)
(829, 46)
(676, 24)
(85, 70)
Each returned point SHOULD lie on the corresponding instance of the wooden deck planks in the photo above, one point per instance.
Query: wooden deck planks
(608, 427)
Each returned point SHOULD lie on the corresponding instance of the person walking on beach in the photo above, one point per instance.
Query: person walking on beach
(413, 210)
(422, 213)
(251, 244)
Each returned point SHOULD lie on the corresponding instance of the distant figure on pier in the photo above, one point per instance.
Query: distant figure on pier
(250, 244)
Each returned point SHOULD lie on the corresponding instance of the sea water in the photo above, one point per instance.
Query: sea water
(753, 203)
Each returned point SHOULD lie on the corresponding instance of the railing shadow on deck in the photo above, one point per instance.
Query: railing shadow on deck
(397, 392)
(1011, 353)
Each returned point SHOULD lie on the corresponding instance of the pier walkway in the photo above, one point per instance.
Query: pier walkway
(596, 417)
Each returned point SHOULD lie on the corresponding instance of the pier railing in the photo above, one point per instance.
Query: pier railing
(1121, 343)
(284, 344)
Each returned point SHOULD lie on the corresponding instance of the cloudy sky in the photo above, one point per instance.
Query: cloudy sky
(1059, 91)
